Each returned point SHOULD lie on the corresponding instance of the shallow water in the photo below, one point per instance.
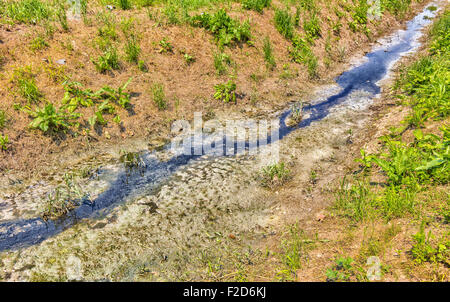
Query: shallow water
(357, 85)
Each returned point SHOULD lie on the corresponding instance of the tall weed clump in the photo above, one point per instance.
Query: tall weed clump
(284, 23)
(225, 29)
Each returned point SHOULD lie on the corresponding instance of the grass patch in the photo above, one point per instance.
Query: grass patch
(221, 60)
(24, 79)
(159, 96)
(268, 54)
(64, 199)
(132, 50)
(38, 43)
(4, 141)
(294, 252)
(256, 5)
(274, 175)
(284, 23)
(26, 11)
(3, 119)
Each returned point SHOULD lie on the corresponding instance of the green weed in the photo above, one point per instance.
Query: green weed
(62, 18)
(274, 175)
(396, 7)
(25, 82)
(131, 161)
(142, 66)
(63, 200)
(221, 60)
(49, 118)
(295, 246)
(225, 29)
(302, 53)
(4, 141)
(108, 61)
(165, 46)
(159, 96)
(342, 270)
(284, 23)
(225, 92)
(312, 27)
(132, 50)
(124, 4)
(118, 96)
(38, 43)
(268, 54)
(257, 5)
(3, 119)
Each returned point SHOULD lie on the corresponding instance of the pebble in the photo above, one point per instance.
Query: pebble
(61, 62)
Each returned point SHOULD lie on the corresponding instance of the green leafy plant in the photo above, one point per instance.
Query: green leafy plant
(103, 99)
(75, 96)
(142, 66)
(188, 58)
(165, 46)
(225, 91)
(119, 96)
(308, 5)
(225, 29)
(107, 31)
(312, 28)
(4, 141)
(274, 175)
(342, 270)
(302, 53)
(49, 118)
